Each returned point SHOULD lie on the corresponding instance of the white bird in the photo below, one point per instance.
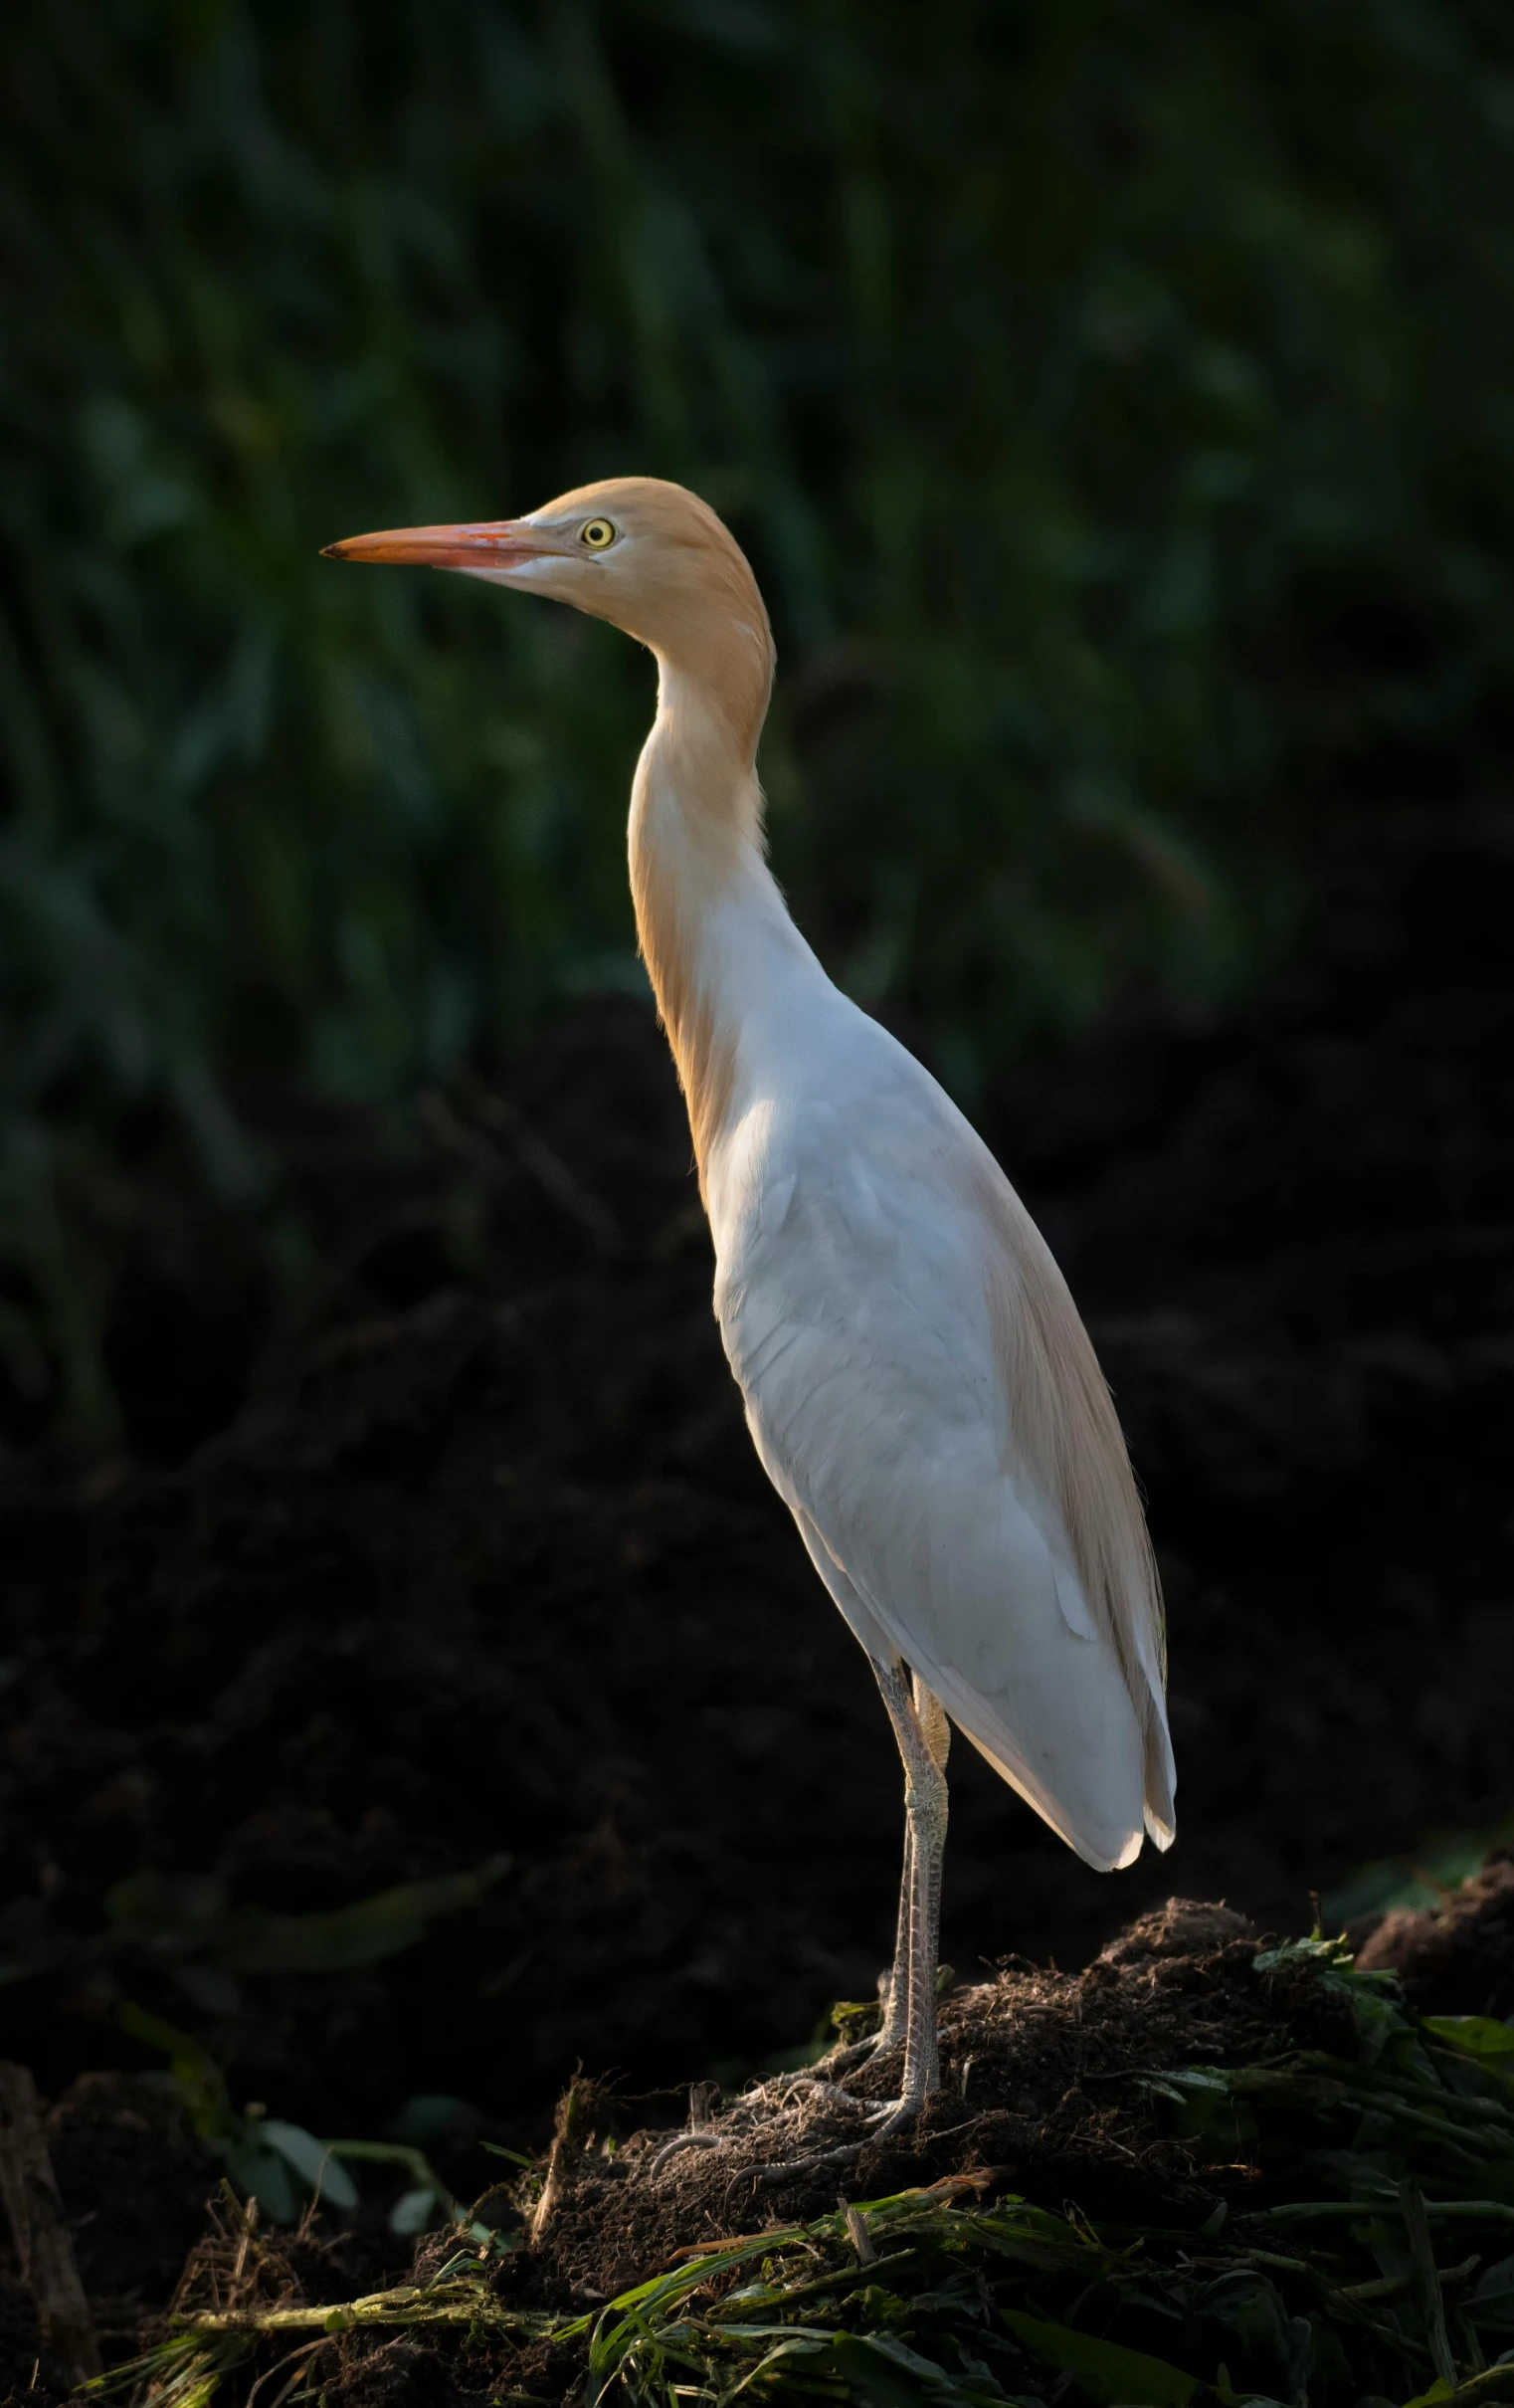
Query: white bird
(918, 1384)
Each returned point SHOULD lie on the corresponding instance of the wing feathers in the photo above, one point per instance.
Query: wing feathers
(1036, 1736)
(1062, 1420)
(927, 1401)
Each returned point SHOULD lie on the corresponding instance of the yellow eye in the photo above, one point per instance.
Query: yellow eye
(597, 533)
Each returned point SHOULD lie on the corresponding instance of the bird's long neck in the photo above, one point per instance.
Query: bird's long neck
(697, 860)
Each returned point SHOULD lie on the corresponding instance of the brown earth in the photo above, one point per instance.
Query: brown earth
(1027, 2059)
(1457, 1957)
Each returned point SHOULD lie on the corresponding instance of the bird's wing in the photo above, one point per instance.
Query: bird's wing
(926, 1400)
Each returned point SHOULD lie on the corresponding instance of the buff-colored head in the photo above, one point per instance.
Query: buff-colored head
(648, 556)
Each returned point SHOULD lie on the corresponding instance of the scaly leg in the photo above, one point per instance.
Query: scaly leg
(923, 1734)
(938, 1739)
(895, 1984)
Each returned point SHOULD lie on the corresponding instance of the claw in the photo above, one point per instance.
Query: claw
(893, 2115)
(766, 2177)
(829, 2089)
(861, 2052)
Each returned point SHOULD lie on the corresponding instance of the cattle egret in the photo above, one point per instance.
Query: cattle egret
(918, 1384)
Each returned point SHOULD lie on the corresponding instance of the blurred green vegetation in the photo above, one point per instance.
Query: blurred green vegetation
(1116, 400)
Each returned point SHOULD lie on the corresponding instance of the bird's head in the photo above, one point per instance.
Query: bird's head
(648, 556)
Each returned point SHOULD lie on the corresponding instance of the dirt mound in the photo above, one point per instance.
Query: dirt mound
(1033, 2093)
(1455, 1959)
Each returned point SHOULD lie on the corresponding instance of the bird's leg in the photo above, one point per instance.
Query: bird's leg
(895, 1984)
(937, 1733)
(923, 1733)
(920, 1728)
(922, 2061)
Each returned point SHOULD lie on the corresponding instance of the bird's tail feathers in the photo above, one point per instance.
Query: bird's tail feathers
(1102, 1859)
(1099, 1839)
(1161, 1775)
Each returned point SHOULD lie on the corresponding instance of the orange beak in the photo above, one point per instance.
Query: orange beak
(492, 543)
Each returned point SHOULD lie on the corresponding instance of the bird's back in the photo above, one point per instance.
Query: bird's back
(925, 1398)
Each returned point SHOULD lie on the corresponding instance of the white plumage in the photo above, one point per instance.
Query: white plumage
(854, 1267)
(917, 1381)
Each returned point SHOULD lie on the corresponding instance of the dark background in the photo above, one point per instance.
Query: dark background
(1115, 401)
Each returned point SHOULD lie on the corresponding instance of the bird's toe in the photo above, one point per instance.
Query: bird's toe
(684, 2140)
(892, 2114)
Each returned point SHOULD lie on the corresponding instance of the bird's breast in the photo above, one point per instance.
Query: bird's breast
(847, 1289)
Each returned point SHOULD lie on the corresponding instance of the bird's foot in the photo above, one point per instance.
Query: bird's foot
(791, 2169)
(891, 2116)
(686, 2140)
(784, 2090)
(882, 2118)
(843, 2059)
(784, 2099)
